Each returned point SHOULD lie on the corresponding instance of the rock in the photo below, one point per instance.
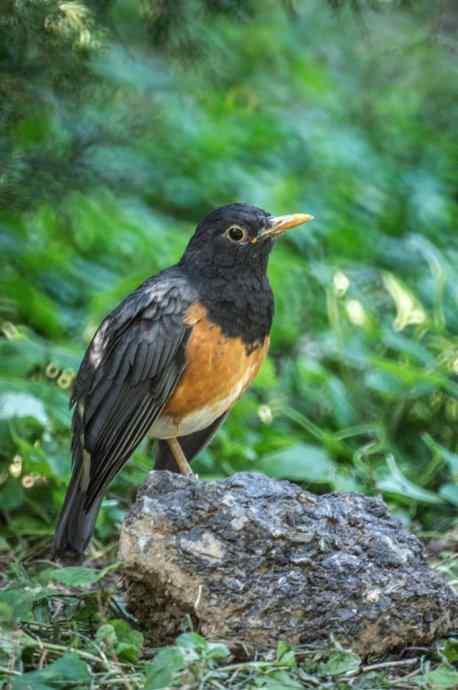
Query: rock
(255, 560)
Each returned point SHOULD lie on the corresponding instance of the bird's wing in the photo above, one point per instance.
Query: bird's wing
(130, 369)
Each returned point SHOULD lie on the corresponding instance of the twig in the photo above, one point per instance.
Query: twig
(9, 672)
(61, 648)
(255, 665)
(388, 664)
(122, 679)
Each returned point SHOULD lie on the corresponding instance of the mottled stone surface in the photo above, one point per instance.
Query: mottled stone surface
(257, 560)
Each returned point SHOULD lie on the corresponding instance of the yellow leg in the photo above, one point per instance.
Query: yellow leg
(179, 456)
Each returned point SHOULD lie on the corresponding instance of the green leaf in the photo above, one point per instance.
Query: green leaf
(106, 635)
(163, 671)
(22, 405)
(302, 462)
(28, 525)
(450, 650)
(129, 642)
(340, 663)
(31, 681)
(6, 613)
(76, 576)
(397, 483)
(406, 345)
(451, 459)
(13, 642)
(12, 495)
(279, 680)
(450, 493)
(68, 669)
(21, 601)
(192, 640)
(195, 645)
(442, 678)
(217, 651)
(285, 654)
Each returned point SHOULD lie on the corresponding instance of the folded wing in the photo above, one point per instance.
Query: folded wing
(130, 370)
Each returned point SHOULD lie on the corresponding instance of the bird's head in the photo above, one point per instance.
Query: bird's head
(236, 236)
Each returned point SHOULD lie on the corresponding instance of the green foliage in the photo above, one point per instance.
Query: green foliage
(75, 633)
(192, 654)
(76, 576)
(121, 124)
(69, 669)
(441, 678)
(117, 635)
(341, 663)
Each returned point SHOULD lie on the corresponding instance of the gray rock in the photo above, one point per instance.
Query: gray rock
(255, 560)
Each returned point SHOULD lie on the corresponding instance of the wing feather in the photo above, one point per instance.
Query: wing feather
(131, 368)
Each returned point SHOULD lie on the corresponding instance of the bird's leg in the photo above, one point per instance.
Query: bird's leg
(179, 456)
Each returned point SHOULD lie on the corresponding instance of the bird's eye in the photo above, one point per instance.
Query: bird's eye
(236, 233)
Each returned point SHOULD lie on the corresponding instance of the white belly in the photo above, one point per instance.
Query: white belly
(168, 427)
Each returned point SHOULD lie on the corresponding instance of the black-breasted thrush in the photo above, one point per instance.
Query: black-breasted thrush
(171, 360)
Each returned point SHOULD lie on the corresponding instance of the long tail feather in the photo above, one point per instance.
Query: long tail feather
(76, 521)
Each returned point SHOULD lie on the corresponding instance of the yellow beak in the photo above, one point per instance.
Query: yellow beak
(279, 224)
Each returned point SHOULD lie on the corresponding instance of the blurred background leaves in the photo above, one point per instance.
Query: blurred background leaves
(122, 123)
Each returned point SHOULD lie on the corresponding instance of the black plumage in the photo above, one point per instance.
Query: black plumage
(232, 280)
(128, 372)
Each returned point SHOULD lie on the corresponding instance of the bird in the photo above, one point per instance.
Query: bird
(170, 361)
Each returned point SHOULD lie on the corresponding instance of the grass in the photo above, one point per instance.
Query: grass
(67, 627)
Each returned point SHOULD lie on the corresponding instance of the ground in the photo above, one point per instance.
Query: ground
(67, 627)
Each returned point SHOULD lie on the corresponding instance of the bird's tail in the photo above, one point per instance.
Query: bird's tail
(77, 520)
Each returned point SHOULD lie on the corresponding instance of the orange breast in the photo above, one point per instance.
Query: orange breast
(218, 368)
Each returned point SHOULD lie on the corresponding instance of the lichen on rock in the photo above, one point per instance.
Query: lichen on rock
(257, 560)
